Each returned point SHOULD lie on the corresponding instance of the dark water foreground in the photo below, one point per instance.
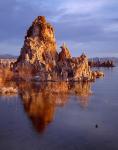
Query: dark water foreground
(62, 116)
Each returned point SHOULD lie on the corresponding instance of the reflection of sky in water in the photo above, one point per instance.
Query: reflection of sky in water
(62, 120)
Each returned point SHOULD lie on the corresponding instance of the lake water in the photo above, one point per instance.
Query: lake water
(79, 117)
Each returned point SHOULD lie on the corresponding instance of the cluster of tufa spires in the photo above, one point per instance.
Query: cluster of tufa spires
(39, 55)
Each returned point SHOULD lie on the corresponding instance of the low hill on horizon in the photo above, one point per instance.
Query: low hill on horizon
(8, 56)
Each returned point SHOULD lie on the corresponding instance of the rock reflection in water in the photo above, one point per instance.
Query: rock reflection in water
(83, 91)
(40, 101)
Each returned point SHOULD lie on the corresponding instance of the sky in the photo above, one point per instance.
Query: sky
(89, 26)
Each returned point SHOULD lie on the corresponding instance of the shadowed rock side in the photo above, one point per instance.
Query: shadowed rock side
(42, 62)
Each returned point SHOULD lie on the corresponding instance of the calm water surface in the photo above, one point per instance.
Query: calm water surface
(83, 117)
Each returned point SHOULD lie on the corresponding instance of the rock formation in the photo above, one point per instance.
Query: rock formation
(64, 54)
(99, 63)
(39, 55)
(7, 63)
(39, 47)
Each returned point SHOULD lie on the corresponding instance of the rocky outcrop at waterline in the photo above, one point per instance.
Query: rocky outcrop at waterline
(99, 63)
(8, 91)
(40, 61)
(7, 63)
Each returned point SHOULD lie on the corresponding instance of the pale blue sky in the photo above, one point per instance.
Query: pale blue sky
(85, 25)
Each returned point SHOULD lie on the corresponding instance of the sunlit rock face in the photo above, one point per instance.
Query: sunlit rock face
(7, 63)
(82, 69)
(40, 59)
(65, 53)
(39, 47)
